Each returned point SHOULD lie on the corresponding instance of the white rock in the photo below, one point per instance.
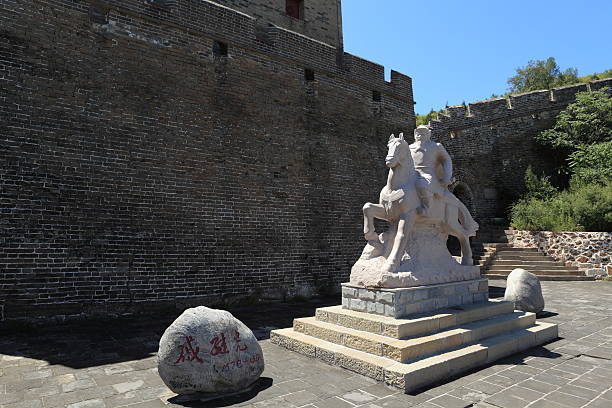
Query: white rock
(523, 288)
(208, 350)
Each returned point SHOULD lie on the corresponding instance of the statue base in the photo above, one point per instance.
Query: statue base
(426, 262)
(402, 302)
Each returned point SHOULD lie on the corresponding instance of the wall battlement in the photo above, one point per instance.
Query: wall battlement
(237, 29)
(493, 141)
(459, 116)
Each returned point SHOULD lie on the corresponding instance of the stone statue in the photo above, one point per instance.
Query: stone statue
(421, 213)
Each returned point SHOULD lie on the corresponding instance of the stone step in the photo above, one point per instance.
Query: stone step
(536, 272)
(421, 372)
(532, 268)
(403, 350)
(417, 325)
(534, 262)
(517, 251)
(543, 277)
(535, 257)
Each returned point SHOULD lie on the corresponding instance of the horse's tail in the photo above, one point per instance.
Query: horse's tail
(470, 226)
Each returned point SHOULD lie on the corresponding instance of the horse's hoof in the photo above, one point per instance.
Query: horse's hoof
(389, 267)
(467, 262)
(371, 236)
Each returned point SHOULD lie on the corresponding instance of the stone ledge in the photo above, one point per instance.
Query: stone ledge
(403, 302)
(417, 373)
(418, 325)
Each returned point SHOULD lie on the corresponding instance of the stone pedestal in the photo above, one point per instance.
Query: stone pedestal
(412, 337)
(402, 302)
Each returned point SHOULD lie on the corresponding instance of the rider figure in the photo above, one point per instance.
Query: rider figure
(435, 171)
(433, 165)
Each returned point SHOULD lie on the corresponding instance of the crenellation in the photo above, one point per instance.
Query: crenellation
(567, 94)
(490, 107)
(601, 83)
(527, 101)
(456, 111)
(484, 139)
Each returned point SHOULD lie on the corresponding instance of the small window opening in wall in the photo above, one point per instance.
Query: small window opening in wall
(219, 49)
(309, 74)
(295, 8)
(376, 96)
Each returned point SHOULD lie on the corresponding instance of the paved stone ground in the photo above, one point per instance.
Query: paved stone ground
(112, 364)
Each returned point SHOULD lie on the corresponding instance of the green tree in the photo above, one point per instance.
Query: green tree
(538, 187)
(591, 164)
(425, 119)
(586, 121)
(541, 75)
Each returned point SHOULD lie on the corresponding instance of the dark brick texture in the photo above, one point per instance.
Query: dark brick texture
(140, 170)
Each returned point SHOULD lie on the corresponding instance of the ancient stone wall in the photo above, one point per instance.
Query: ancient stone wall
(492, 143)
(589, 251)
(319, 19)
(156, 156)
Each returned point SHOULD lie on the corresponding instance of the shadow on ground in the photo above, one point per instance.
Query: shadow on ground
(94, 342)
(194, 401)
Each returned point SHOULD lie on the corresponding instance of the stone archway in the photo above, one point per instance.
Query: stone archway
(464, 193)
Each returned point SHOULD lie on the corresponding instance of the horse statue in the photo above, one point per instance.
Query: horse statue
(413, 216)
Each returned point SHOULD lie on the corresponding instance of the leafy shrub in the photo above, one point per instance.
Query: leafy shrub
(538, 187)
(583, 207)
(584, 122)
(592, 164)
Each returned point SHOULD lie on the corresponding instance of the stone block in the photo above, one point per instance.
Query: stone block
(406, 296)
(366, 294)
(480, 297)
(359, 305)
(467, 299)
(411, 308)
(454, 300)
(387, 298)
(389, 310)
(440, 302)
(346, 303)
(420, 295)
(427, 305)
(483, 286)
(349, 292)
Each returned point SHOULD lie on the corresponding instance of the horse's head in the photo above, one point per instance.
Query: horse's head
(398, 150)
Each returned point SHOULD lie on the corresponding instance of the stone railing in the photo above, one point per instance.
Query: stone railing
(589, 251)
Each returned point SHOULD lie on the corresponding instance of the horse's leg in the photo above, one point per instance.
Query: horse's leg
(456, 229)
(404, 226)
(371, 211)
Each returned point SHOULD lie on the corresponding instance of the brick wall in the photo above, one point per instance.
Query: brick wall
(320, 19)
(492, 143)
(140, 170)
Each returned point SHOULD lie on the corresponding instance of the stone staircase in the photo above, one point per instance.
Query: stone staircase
(412, 353)
(506, 258)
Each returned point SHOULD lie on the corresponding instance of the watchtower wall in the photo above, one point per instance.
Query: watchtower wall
(492, 143)
(168, 154)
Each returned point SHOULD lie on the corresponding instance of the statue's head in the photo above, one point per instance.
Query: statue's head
(398, 150)
(422, 134)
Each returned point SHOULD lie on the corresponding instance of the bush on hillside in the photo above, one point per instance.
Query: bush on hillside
(586, 207)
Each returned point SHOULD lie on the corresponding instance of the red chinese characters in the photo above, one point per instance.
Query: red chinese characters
(239, 347)
(219, 345)
(188, 352)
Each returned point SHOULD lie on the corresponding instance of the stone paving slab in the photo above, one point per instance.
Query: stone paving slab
(98, 364)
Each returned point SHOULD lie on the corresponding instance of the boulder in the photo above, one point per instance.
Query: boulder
(523, 288)
(208, 351)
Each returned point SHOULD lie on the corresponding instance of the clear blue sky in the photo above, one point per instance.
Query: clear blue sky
(459, 51)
